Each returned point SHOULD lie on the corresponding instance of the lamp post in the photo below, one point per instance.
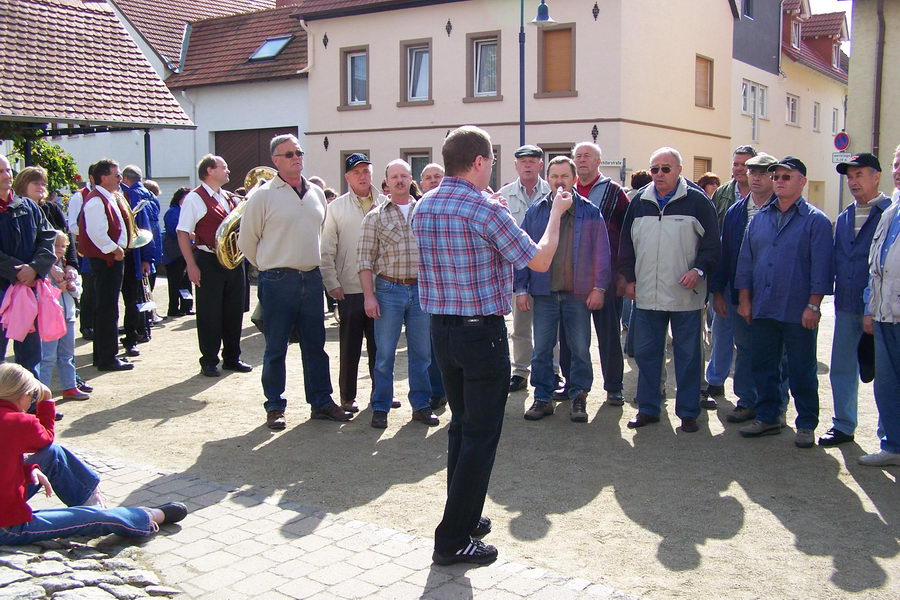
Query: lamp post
(542, 18)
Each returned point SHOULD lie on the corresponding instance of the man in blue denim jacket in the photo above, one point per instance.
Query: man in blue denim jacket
(853, 233)
(564, 296)
(784, 270)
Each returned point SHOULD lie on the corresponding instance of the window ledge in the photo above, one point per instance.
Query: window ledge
(403, 103)
(565, 94)
(496, 98)
(706, 107)
(797, 125)
(344, 107)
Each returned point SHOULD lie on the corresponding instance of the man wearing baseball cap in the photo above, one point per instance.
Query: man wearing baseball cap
(853, 233)
(340, 235)
(784, 270)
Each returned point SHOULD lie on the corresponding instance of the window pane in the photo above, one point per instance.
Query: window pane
(417, 162)
(763, 101)
(745, 98)
(357, 73)
(486, 68)
(418, 73)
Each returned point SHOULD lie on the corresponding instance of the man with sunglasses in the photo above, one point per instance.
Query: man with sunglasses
(281, 233)
(784, 270)
(670, 241)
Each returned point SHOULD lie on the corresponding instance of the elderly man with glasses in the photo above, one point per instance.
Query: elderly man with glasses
(670, 241)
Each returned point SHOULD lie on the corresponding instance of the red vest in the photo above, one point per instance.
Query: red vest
(86, 246)
(205, 229)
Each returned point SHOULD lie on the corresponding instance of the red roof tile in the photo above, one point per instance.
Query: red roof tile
(321, 9)
(210, 61)
(806, 56)
(162, 22)
(825, 24)
(791, 5)
(72, 61)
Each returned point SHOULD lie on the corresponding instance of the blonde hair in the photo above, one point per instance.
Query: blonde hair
(16, 381)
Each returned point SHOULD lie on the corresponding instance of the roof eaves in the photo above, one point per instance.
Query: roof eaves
(93, 122)
(374, 7)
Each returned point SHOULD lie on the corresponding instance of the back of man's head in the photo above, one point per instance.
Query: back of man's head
(462, 147)
(132, 173)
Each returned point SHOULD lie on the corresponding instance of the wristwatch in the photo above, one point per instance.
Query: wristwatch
(814, 308)
(700, 272)
(599, 289)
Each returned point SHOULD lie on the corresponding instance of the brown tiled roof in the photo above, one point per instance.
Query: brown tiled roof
(220, 48)
(72, 61)
(806, 56)
(322, 9)
(825, 24)
(161, 22)
(791, 5)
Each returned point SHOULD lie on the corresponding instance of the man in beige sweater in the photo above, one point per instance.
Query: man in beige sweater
(280, 235)
(340, 236)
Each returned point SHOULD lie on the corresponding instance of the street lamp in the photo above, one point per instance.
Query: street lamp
(542, 18)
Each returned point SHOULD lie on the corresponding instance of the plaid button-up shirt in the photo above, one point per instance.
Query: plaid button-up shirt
(468, 247)
(387, 245)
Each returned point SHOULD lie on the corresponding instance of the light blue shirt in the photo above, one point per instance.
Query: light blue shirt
(892, 234)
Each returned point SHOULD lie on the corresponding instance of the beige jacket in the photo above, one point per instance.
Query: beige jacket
(884, 281)
(340, 237)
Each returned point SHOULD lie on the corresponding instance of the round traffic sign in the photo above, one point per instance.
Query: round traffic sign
(842, 141)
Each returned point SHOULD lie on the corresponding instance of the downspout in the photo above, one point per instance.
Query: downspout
(194, 131)
(310, 48)
(780, 33)
(879, 68)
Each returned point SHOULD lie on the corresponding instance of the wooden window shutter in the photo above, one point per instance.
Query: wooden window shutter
(701, 166)
(703, 82)
(558, 76)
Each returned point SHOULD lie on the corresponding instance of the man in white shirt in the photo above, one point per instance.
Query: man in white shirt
(86, 301)
(220, 291)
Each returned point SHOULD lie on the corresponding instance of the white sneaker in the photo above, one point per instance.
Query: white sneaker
(882, 458)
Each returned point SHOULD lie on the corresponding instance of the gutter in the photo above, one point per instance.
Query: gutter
(310, 48)
(879, 69)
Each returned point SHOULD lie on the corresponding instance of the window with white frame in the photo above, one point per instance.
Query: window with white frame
(355, 78)
(795, 33)
(792, 114)
(754, 103)
(418, 73)
(836, 56)
(817, 116)
(835, 120)
(485, 67)
(748, 9)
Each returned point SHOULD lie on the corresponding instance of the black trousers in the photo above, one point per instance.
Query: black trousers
(107, 283)
(608, 326)
(135, 321)
(176, 276)
(473, 355)
(220, 309)
(87, 301)
(354, 325)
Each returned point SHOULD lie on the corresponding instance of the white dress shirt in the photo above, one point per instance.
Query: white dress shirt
(98, 226)
(74, 211)
(193, 208)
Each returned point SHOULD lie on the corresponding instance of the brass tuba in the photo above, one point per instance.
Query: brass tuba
(138, 238)
(227, 233)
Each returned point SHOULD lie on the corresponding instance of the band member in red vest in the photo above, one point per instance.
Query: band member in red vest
(220, 291)
(103, 237)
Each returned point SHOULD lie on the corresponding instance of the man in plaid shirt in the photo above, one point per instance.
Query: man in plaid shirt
(469, 245)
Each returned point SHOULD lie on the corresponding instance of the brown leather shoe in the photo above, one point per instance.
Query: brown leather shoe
(426, 416)
(331, 412)
(689, 425)
(275, 420)
(350, 407)
(642, 419)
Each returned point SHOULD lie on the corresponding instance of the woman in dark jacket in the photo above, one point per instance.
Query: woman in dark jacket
(176, 268)
(31, 182)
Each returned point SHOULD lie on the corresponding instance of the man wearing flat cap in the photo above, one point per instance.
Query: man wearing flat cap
(784, 270)
(853, 233)
(340, 236)
(520, 195)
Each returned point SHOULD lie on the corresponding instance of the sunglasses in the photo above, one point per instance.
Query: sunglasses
(34, 395)
(783, 177)
(291, 154)
(664, 169)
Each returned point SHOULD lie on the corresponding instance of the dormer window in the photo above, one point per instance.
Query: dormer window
(795, 34)
(836, 56)
(271, 48)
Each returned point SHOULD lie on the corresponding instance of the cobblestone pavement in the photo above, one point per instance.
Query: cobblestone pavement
(236, 544)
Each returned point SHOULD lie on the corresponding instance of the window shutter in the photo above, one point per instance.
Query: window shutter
(557, 60)
(701, 166)
(702, 83)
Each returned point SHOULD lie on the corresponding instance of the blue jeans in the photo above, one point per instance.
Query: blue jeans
(400, 305)
(887, 383)
(844, 372)
(59, 354)
(721, 350)
(770, 340)
(27, 352)
(744, 382)
(73, 482)
(561, 309)
(292, 300)
(649, 353)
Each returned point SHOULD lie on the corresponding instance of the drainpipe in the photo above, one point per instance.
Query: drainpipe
(310, 48)
(193, 131)
(879, 68)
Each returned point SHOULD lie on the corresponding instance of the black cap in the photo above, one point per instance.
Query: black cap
(355, 159)
(790, 162)
(529, 150)
(863, 159)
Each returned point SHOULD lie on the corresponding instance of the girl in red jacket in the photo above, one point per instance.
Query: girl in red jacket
(54, 468)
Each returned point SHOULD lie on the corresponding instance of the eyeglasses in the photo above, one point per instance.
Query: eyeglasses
(664, 169)
(783, 177)
(291, 154)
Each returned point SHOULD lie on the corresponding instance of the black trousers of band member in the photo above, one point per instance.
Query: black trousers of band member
(220, 309)
(135, 321)
(176, 276)
(107, 283)
(354, 325)
(608, 325)
(86, 302)
(473, 355)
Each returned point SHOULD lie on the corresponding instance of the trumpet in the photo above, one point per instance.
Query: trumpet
(227, 251)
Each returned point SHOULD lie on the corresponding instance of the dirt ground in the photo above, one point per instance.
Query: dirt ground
(652, 512)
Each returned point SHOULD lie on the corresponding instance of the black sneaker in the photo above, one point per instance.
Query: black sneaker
(437, 402)
(482, 529)
(174, 511)
(517, 383)
(476, 552)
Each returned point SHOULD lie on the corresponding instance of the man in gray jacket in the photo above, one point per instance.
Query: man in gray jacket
(340, 236)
